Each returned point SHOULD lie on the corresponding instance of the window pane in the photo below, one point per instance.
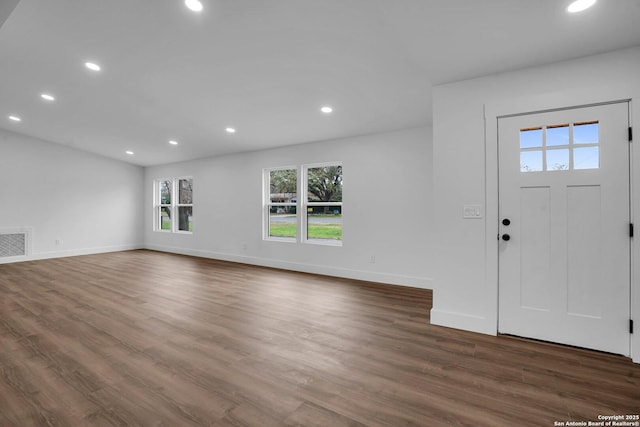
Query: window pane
(557, 135)
(283, 221)
(185, 187)
(324, 184)
(530, 161)
(165, 192)
(165, 218)
(585, 133)
(558, 160)
(324, 222)
(185, 218)
(531, 138)
(586, 158)
(283, 186)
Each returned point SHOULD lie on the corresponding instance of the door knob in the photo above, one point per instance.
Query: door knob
(506, 237)
(506, 221)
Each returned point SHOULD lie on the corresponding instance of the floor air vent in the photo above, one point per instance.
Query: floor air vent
(13, 244)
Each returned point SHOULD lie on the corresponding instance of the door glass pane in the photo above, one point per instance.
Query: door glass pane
(531, 138)
(586, 158)
(585, 133)
(558, 160)
(557, 135)
(531, 161)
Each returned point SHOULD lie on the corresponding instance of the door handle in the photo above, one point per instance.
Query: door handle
(506, 237)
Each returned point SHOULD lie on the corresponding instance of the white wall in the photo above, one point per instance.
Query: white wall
(465, 172)
(87, 202)
(387, 208)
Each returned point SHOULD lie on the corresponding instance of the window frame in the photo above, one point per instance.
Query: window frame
(267, 204)
(174, 206)
(306, 204)
(302, 205)
(158, 205)
(179, 205)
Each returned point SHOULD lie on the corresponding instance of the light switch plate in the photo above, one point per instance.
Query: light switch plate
(472, 212)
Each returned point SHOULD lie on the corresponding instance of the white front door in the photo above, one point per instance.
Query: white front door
(564, 261)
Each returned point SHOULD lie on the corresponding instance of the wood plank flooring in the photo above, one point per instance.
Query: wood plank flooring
(148, 338)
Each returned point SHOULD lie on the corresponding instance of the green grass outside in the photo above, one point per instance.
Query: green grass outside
(324, 231)
(166, 225)
(315, 231)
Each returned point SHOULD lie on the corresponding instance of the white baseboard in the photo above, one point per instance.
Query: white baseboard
(462, 321)
(393, 279)
(72, 252)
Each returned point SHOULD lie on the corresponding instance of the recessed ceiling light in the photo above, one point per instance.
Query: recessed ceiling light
(47, 97)
(230, 130)
(194, 5)
(172, 142)
(92, 66)
(326, 109)
(129, 152)
(15, 118)
(580, 5)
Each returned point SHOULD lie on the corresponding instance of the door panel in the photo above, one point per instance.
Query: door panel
(584, 258)
(564, 274)
(535, 248)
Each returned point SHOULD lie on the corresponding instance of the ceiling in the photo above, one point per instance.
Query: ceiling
(265, 67)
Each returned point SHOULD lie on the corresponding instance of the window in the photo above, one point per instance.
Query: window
(282, 203)
(323, 197)
(171, 213)
(163, 212)
(560, 147)
(311, 212)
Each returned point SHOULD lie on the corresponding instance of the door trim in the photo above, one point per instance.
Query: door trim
(557, 109)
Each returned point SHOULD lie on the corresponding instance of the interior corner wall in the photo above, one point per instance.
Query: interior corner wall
(387, 209)
(465, 172)
(73, 202)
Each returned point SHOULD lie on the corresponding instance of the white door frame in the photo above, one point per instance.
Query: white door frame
(501, 108)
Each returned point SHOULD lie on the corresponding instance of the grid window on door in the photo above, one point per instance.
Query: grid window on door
(565, 146)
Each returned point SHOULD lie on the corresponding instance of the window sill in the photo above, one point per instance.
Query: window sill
(324, 242)
(280, 239)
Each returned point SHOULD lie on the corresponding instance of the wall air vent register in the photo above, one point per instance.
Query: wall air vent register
(14, 243)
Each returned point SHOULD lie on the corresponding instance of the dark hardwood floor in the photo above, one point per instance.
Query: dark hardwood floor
(147, 338)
